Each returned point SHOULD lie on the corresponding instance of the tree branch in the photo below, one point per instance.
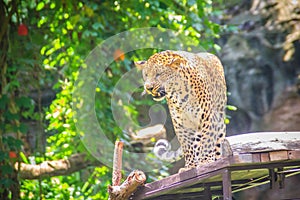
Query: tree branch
(117, 166)
(134, 179)
(56, 167)
(124, 191)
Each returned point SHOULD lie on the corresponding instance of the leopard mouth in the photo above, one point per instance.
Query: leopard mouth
(157, 94)
(158, 98)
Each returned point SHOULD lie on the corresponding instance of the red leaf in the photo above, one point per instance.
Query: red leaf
(12, 154)
(119, 55)
(22, 30)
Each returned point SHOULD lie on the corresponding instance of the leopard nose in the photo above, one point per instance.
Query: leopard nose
(148, 87)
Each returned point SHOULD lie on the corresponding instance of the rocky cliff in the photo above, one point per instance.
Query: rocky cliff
(260, 83)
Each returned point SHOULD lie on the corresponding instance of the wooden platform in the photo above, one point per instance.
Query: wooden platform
(258, 158)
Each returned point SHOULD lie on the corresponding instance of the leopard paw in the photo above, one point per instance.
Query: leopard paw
(183, 169)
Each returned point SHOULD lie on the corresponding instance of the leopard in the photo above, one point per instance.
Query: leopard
(194, 87)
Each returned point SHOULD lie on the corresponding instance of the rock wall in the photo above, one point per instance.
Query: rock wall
(260, 83)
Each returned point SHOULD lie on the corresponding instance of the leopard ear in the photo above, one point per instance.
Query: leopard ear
(140, 64)
(176, 62)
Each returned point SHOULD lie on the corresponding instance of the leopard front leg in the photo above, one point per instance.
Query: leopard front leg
(205, 152)
(199, 150)
(186, 138)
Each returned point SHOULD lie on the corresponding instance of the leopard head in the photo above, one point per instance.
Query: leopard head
(158, 71)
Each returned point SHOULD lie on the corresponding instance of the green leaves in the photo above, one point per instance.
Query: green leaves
(3, 102)
(3, 156)
(40, 6)
(5, 170)
(24, 102)
(6, 182)
(232, 108)
(60, 36)
(13, 143)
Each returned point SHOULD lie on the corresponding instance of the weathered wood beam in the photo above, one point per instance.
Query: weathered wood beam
(264, 141)
(124, 191)
(55, 168)
(256, 152)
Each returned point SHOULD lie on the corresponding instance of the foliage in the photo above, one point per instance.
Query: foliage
(43, 45)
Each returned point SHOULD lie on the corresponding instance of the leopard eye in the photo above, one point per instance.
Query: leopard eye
(145, 75)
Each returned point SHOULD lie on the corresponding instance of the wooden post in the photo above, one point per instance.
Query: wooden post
(272, 177)
(226, 181)
(281, 177)
(207, 193)
(134, 179)
(117, 165)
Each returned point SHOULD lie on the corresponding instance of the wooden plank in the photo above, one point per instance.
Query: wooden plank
(183, 179)
(278, 155)
(261, 165)
(242, 158)
(256, 158)
(256, 174)
(294, 154)
(265, 157)
(255, 151)
(264, 141)
(163, 186)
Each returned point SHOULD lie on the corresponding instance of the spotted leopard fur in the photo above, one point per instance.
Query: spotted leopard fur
(195, 89)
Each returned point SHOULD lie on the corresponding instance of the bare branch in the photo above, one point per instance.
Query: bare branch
(135, 178)
(56, 167)
(117, 166)
(124, 191)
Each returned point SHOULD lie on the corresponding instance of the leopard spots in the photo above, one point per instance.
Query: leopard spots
(195, 89)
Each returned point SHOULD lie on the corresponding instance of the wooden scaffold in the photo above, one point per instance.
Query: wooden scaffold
(256, 159)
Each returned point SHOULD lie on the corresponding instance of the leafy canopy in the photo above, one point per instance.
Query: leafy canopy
(45, 43)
